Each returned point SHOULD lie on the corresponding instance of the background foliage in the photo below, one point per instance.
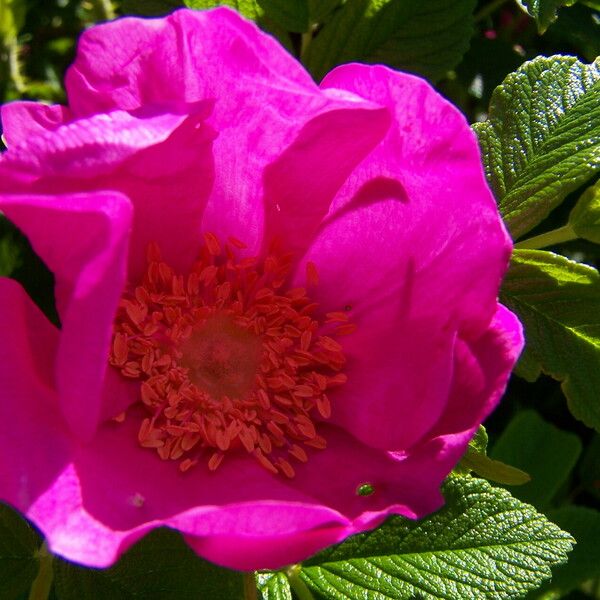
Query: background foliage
(540, 136)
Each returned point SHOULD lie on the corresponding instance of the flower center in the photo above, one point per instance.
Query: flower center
(222, 358)
(227, 360)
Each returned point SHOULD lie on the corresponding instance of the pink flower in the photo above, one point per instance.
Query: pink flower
(244, 401)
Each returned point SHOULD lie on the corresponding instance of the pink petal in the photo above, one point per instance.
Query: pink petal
(188, 56)
(265, 104)
(414, 245)
(83, 239)
(301, 183)
(162, 162)
(482, 367)
(239, 516)
(20, 120)
(430, 161)
(34, 443)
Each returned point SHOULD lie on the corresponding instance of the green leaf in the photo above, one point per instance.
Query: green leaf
(273, 586)
(589, 469)
(544, 451)
(493, 470)
(427, 37)
(541, 140)
(558, 302)
(319, 10)
(480, 441)
(160, 567)
(18, 554)
(585, 217)
(483, 543)
(10, 253)
(248, 8)
(150, 8)
(292, 15)
(253, 9)
(476, 461)
(544, 11)
(584, 525)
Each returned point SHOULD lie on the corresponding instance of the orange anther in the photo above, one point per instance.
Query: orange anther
(265, 462)
(298, 453)
(212, 243)
(227, 362)
(324, 406)
(120, 350)
(312, 275)
(235, 242)
(187, 464)
(286, 468)
(119, 418)
(215, 460)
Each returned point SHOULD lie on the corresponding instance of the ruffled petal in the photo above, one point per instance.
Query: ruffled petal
(34, 439)
(20, 120)
(399, 360)
(414, 247)
(482, 367)
(83, 239)
(300, 185)
(281, 141)
(161, 161)
(430, 162)
(240, 516)
(186, 57)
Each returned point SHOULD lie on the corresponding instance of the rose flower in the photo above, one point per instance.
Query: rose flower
(277, 301)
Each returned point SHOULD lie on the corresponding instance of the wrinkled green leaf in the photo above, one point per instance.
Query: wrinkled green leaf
(558, 302)
(480, 440)
(541, 140)
(483, 543)
(292, 15)
(160, 567)
(584, 563)
(273, 586)
(248, 8)
(18, 554)
(427, 37)
(585, 217)
(477, 444)
(544, 451)
(544, 11)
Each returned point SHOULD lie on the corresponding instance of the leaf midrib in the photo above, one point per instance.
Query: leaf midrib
(537, 151)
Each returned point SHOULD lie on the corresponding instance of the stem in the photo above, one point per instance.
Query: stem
(550, 238)
(40, 588)
(250, 592)
(486, 11)
(300, 588)
(305, 42)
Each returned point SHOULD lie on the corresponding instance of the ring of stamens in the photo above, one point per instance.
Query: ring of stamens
(228, 360)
